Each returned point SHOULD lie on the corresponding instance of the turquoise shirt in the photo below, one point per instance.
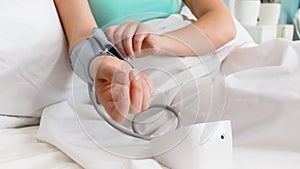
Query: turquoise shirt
(113, 12)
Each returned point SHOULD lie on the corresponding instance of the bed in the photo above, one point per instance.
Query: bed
(23, 150)
(261, 83)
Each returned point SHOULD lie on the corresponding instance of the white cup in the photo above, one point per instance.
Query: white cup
(269, 13)
(247, 11)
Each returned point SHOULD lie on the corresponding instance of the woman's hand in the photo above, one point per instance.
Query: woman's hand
(133, 38)
(120, 89)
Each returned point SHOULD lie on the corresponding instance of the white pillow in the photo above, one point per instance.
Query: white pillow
(34, 63)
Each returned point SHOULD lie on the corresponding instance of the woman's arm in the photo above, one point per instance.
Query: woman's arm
(214, 19)
(120, 89)
(76, 18)
(213, 29)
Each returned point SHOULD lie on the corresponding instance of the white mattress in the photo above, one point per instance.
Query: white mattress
(20, 149)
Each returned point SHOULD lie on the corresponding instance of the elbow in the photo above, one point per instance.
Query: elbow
(227, 34)
(230, 33)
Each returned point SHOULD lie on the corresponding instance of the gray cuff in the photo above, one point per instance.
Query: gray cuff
(86, 50)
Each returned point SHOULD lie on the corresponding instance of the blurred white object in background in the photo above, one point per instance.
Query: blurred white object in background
(269, 13)
(262, 33)
(231, 4)
(247, 11)
(285, 31)
(297, 23)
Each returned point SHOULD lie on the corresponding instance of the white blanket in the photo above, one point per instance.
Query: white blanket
(263, 86)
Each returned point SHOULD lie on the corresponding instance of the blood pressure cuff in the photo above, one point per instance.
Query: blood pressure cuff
(86, 50)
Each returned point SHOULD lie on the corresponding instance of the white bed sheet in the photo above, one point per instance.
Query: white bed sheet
(21, 149)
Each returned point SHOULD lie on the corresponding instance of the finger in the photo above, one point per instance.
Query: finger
(118, 37)
(138, 41)
(140, 34)
(122, 105)
(136, 92)
(149, 83)
(110, 33)
(128, 39)
(146, 96)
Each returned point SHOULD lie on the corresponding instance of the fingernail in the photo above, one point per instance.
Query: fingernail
(125, 92)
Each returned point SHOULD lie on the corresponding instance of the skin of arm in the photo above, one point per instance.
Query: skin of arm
(214, 19)
(77, 20)
(214, 23)
(213, 28)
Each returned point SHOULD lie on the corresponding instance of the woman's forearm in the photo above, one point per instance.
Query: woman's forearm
(213, 29)
(218, 26)
(76, 18)
(187, 41)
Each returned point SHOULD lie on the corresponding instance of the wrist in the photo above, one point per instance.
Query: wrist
(80, 36)
(84, 53)
(93, 68)
(172, 45)
(165, 44)
(73, 43)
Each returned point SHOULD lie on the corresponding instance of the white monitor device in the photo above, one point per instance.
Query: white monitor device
(201, 146)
